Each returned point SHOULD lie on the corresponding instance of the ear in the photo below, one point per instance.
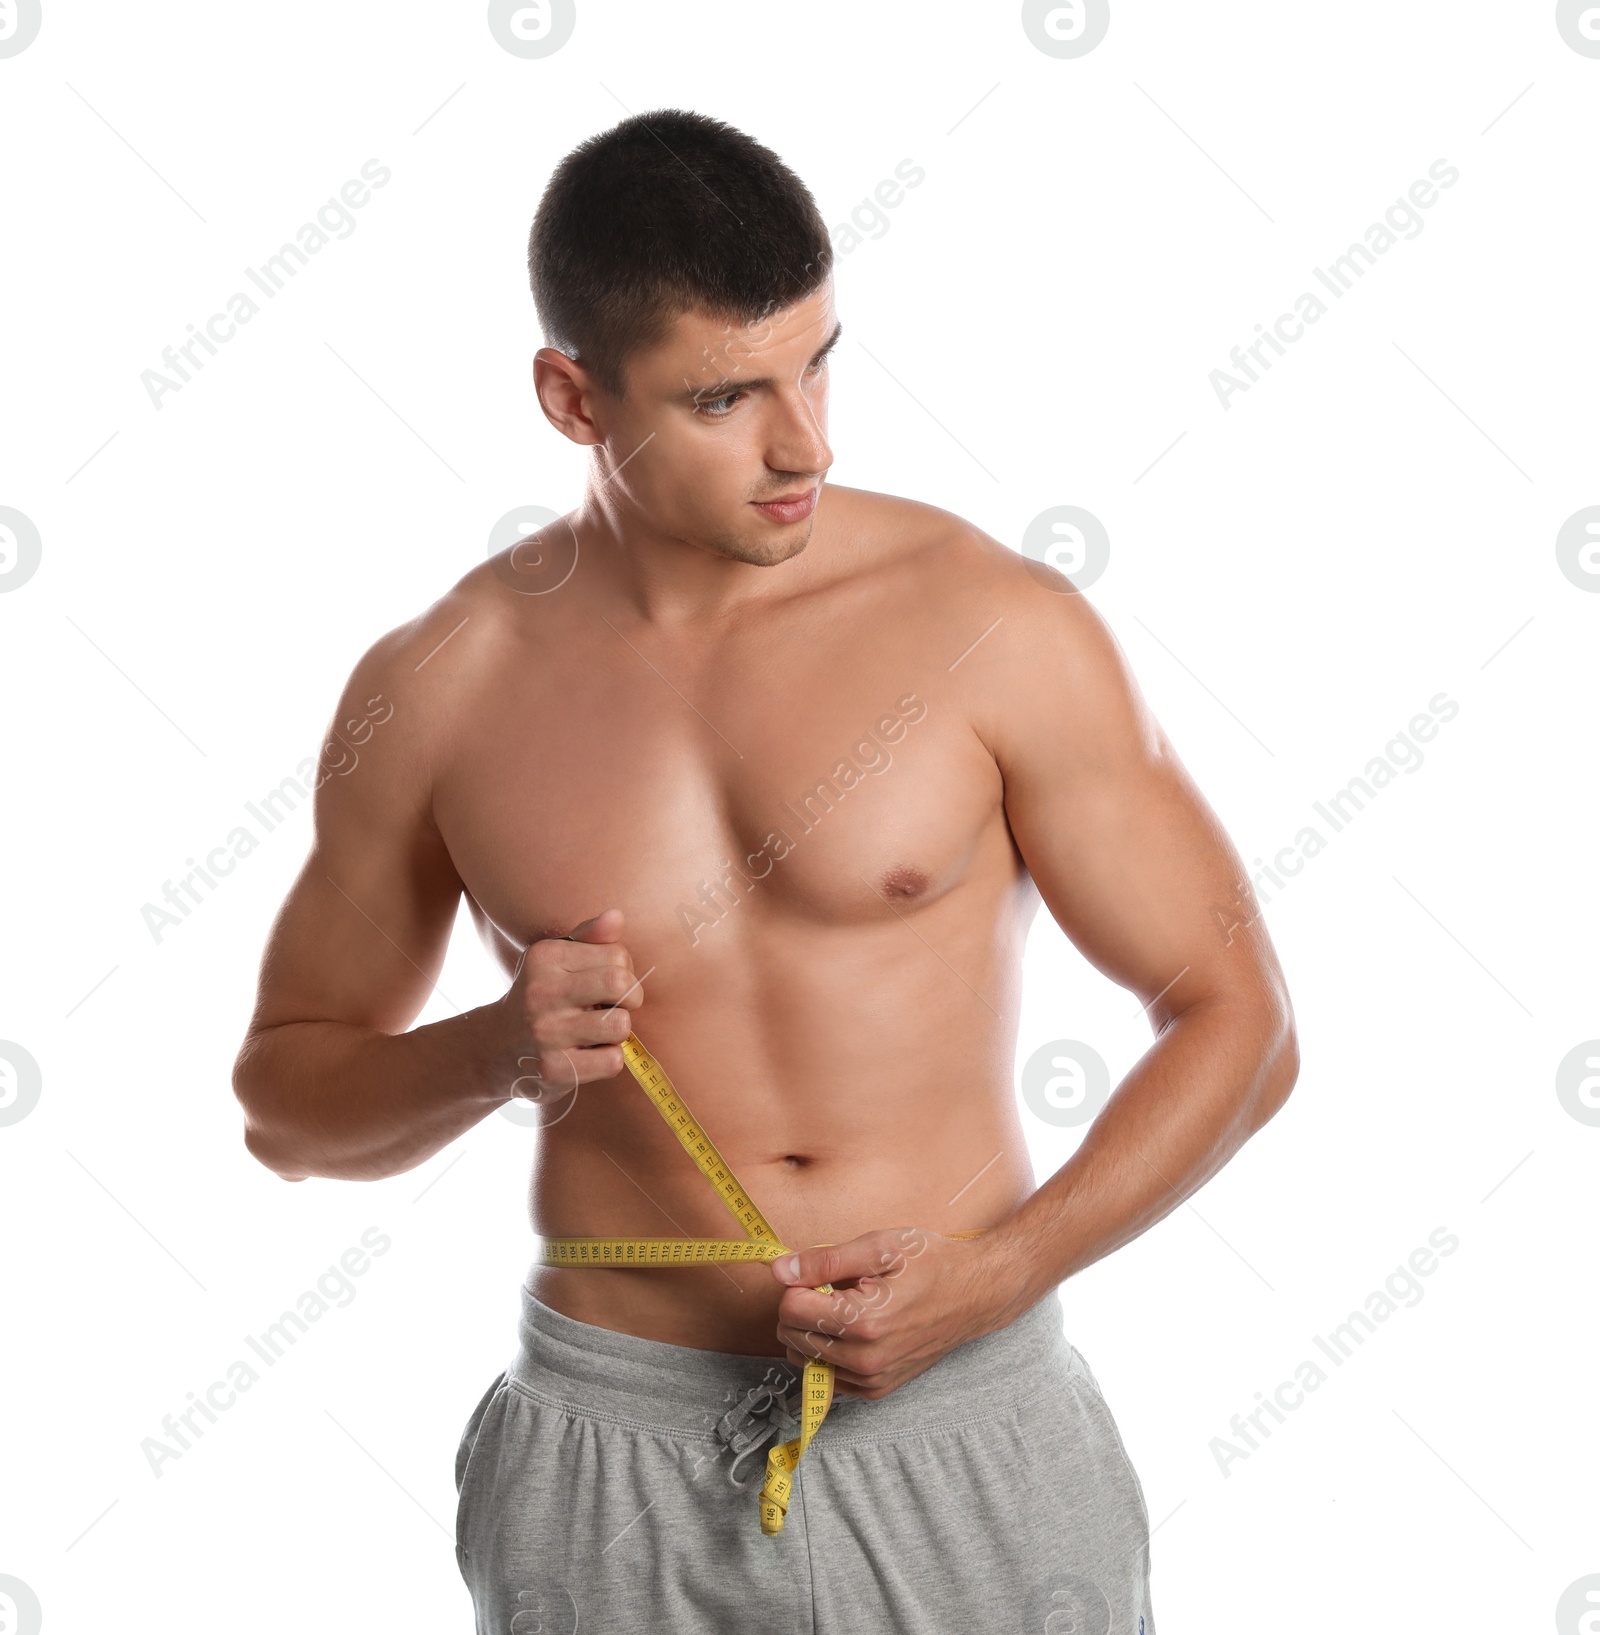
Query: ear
(567, 393)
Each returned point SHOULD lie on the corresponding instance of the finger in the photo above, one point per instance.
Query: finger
(579, 1027)
(811, 1343)
(841, 1382)
(604, 927)
(563, 954)
(841, 1313)
(564, 1068)
(605, 985)
(802, 1348)
(833, 1262)
(863, 1362)
(806, 1346)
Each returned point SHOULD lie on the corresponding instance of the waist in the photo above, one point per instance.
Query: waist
(616, 1188)
(656, 1385)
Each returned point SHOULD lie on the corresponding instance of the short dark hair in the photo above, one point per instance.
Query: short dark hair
(666, 213)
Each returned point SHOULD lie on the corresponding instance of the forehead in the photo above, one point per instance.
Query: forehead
(702, 343)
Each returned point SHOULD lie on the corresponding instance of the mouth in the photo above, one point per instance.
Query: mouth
(790, 507)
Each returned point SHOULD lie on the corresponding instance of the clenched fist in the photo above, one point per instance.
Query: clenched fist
(569, 1007)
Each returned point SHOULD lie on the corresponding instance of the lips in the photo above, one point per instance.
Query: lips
(789, 507)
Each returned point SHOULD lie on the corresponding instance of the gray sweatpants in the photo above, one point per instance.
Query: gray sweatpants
(608, 1486)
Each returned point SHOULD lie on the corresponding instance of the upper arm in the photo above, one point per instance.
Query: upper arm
(362, 935)
(1129, 858)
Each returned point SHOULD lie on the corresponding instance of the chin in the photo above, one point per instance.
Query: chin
(783, 550)
(766, 552)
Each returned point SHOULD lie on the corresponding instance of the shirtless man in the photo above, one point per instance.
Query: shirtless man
(798, 762)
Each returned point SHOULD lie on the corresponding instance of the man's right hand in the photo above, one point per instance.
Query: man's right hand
(569, 1007)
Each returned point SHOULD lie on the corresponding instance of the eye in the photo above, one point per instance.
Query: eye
(709, 410)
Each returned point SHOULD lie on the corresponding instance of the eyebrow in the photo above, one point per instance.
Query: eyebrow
(727, 384)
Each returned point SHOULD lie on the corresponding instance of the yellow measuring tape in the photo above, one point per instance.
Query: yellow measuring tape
(760, 1242)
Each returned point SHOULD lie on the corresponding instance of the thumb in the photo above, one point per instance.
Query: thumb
(604, 927)
(830, 1262)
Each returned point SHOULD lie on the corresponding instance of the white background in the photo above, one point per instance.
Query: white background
(1371, 524)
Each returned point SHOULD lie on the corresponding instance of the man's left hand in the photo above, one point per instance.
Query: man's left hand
(902, 1298)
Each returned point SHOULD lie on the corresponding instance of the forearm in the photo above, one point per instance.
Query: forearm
(353, 1103)
(1216, 1074)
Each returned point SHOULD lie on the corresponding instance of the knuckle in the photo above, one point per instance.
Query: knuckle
(588, 1067)
(537, 989)
(546, 1029)
(873, 1294)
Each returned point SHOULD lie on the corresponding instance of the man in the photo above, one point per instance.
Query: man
(799, 762)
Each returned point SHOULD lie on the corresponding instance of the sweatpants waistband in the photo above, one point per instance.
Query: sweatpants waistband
(655, 1385)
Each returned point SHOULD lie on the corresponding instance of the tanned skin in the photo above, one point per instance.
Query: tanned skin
(595, 737)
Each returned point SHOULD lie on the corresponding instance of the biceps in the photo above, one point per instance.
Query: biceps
(1138, 872)
(361, 937)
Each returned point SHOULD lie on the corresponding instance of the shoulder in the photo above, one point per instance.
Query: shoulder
(421, 676)
(409, 649)
(953, 571)
(1033, 661)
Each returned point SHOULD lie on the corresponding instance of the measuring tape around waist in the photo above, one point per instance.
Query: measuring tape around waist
(760, 1242)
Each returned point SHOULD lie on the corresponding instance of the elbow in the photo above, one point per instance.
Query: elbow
(1280, 1063)
(252, 1093)
(260, 1147)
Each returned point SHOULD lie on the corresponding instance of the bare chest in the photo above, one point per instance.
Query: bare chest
(815, 793)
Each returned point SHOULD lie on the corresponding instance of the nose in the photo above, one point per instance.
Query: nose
(797, 443)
